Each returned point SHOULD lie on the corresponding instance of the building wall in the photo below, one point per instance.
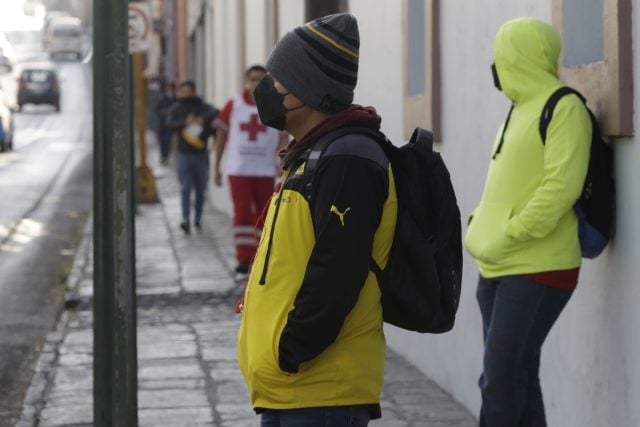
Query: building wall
(380, 67)
(255, 24)
(181, 37)
(227, 47)
(590, 373)
(290, 15)
(210, 52)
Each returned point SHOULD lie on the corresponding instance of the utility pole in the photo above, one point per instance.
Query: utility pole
(114, 305)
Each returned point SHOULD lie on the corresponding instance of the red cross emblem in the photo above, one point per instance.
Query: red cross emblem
(253, 127)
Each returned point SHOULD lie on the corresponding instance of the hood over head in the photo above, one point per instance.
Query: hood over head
(526, 52)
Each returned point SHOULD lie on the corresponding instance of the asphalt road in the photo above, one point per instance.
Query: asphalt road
(45, 196)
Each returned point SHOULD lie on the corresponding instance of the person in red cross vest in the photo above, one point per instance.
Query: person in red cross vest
(246, 150)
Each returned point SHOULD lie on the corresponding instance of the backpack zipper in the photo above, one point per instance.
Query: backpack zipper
(263, 277)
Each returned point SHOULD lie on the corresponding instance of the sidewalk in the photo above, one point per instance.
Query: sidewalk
(188, 374)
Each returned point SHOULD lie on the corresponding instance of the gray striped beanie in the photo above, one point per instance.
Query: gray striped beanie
(318, 62)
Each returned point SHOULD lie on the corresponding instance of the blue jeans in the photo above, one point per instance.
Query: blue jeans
(331, 416)
(517, 315)
(193, 173)
(165, 135)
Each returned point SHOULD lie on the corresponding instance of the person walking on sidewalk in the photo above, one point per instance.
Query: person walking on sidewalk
(191, 119)
(311, 345)
(524, 233)
(162, 110)
(250, 160)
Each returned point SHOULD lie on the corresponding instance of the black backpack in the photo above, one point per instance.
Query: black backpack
(595, 208)
(420, 285)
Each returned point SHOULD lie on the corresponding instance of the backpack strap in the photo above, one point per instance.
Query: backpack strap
(504, 129)
(550, 105)
(422, 136)
(320, 146)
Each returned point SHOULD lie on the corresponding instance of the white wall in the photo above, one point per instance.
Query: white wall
(380, 65)
(255, 24)
(210, 52)
(590, 370)
(227, 75)
(290, 15)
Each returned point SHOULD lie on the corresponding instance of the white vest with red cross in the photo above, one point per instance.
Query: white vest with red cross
(251, 146)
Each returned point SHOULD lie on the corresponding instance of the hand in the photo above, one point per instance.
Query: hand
(217, 178)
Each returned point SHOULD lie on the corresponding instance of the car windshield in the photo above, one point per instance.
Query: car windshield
(69, 32)
(37, 76)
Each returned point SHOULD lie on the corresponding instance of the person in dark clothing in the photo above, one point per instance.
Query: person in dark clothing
(311, 344)
(190, 117)
(162, 109)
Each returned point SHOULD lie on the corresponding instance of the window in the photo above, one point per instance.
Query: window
(37, 76)
(597, 58)
(318, 8)
(583, 35)
(416, 72)
(422, 66)
(68, 32)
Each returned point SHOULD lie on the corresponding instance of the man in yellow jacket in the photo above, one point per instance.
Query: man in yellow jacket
(524, 233)
(311, 344)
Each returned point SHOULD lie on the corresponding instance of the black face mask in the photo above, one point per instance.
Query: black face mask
(270, 105)
(496, 79)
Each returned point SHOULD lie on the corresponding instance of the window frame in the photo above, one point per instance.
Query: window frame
(608, 84)
(423, 110)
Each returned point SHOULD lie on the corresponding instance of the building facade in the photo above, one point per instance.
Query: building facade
(427, 62)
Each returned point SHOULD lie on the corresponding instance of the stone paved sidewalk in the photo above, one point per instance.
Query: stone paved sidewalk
(188, 374)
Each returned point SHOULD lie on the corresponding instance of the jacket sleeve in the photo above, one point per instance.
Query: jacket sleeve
(347, 202)
(208, 114)
(566, 159)
(176, 117)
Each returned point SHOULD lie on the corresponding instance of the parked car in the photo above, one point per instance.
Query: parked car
(38, 84)
(6, 124)
(64, 36)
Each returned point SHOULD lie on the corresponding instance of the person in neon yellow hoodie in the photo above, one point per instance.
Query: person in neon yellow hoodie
(524, 233)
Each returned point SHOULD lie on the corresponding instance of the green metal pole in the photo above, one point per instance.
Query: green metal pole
(115, 356)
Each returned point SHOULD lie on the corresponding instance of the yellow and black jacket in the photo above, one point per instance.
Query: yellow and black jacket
(311, 332)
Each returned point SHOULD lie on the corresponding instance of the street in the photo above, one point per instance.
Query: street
(45, 197)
